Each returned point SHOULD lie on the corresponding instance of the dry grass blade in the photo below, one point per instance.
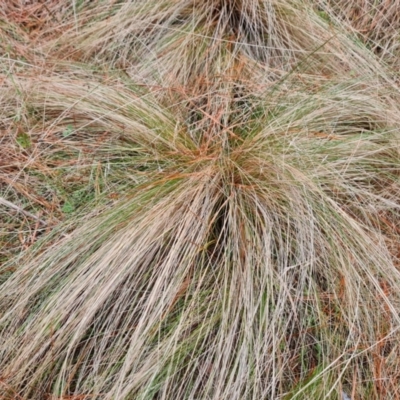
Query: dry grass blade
(21, 210)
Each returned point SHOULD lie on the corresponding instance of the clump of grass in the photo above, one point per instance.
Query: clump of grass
(234, 267)
(216, 186)
(214, 38)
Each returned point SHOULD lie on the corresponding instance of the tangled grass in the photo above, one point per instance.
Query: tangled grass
(199, 200)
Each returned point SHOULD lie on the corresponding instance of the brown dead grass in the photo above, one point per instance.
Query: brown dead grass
(283, 120)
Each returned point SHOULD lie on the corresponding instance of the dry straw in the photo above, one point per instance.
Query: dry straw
(222, 178)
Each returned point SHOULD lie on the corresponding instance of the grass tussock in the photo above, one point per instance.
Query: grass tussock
(211, 39)
(198, 200)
